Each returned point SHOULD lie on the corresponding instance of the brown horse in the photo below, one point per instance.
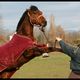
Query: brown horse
(24, 33)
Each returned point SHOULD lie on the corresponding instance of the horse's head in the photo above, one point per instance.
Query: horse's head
(36, 17)
(31, 17)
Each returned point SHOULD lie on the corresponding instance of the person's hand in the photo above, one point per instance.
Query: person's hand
(58, 39)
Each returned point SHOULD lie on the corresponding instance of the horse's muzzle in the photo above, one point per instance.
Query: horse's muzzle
(45, 23)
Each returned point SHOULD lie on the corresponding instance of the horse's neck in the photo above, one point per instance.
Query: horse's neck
(27, 30)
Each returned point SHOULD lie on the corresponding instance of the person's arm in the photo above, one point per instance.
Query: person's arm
(67, 49)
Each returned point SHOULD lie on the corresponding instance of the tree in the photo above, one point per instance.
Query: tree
(2, 31)
(39, 36)
(52, 30)
(60, 32)
(1, 26)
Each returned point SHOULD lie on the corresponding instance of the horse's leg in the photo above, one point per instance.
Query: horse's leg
(73, 75)
(7, 74)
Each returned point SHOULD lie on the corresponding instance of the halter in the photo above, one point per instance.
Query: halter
(41, 29)
(36, 19)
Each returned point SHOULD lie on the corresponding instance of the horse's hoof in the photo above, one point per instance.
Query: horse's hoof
(45, 55)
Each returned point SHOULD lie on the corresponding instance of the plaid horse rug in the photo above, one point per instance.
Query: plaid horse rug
(13, 49)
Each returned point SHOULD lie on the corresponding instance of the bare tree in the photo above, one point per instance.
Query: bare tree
(2, 31)
(52, 30)
(60, 32)
(39, 36)
(1, 25)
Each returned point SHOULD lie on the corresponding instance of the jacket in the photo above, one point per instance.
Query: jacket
(73, 53)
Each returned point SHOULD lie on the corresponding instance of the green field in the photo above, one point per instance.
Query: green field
(54, 66)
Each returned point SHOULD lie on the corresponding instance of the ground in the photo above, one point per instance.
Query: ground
(54, 66)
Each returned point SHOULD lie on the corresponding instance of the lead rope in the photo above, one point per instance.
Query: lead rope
(55, 43)
(41, 29)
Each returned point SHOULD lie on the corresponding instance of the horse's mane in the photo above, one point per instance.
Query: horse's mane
(33, 8)
(21, 20)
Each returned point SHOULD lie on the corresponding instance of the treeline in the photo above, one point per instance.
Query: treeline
(72, 37)
(51, 33)
(3, 32)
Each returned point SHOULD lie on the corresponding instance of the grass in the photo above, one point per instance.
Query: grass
(54, 66)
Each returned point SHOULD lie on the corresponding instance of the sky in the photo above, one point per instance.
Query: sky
(66, 14)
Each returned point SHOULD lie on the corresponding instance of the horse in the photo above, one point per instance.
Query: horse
(22, 47)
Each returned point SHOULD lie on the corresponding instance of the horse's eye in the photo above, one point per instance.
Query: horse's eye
(34, 12)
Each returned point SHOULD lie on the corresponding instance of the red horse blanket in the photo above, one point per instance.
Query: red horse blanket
(12, 50)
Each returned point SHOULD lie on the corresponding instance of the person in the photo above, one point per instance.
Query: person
(74, 53)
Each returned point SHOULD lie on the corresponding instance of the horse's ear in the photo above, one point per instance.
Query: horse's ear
(28, 11)
(33, 8)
